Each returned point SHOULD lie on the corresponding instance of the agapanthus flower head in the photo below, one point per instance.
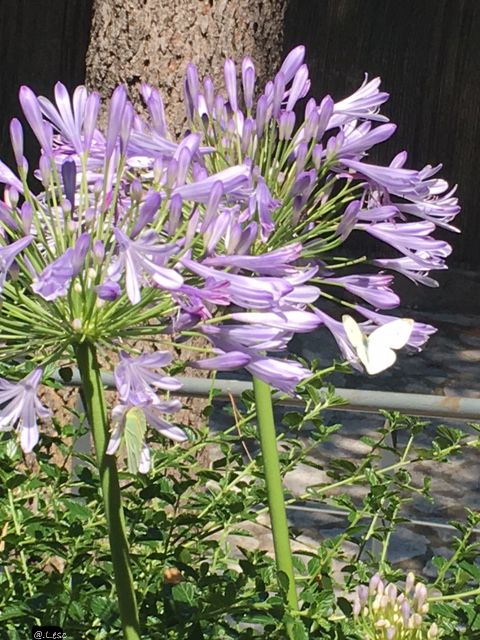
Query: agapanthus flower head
(233, 232)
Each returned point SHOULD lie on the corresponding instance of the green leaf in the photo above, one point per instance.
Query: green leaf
(16, 480)
(135, 429)
(345, 607)
(283, 580)
(184, 592)
(77, 510)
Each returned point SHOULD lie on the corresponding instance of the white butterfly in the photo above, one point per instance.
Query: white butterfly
(375, 351)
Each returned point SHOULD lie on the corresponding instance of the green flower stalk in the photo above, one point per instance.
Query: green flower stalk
(273, 480)
(96, 410)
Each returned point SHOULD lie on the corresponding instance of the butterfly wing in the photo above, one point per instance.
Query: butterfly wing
(383, 341)
(135, 429)
(394, 335)
(358, 341)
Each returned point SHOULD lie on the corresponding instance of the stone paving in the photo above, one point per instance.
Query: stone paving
(449, 365)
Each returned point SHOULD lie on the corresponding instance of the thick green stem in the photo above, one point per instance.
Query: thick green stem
(273, 479)
(95, 408)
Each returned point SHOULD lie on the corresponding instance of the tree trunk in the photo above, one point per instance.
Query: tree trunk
(134, 41)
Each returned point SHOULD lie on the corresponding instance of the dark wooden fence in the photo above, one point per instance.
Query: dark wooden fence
(41, 41)
(428, 55)
(426, 51)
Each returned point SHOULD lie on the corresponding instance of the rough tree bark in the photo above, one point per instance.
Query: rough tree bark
(153, 40)
(134, 41)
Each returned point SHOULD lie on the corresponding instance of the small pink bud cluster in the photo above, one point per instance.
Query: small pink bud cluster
(384, 613)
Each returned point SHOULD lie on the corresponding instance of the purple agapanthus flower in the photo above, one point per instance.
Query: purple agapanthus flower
(138, 257)
(233, 180)
(55, 279)
(9, 178)
(246, 346)
(374, 289)
(154, 418)
(138, 378)
(296, 321)
(20, 408)
(413, 269)
(363, 104)
(8, 255)
(33, 114)
(250, 293)
(421, 331)
(413, 239)
(108, 290)
(68, 115)
(274, 263)
(337, 330)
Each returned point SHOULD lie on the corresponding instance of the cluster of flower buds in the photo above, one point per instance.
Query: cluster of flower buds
(384, 613)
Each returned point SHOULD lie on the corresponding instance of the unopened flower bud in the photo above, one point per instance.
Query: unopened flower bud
(136, 190)
(261, 116)
(14, 271)
(420, 594)
(382, 624)
(98, 251)
(158, 169)
(405, 611)
(301, 156)
(415, 621)
(98, 188)
(317, 155)
(433, 631)
(209, 94)
(109, 290)
(11, 197)
(362, 593)
(77, 287)
(391, 633)
(409, 583)
(66, 207)
(45, 170)
(27, 215)
(172, 169)
(248, 81)
(247, 134)
(92, 273)
(16, 136)
(356, 607)
(278, 93)
(77, 324)
(286, 125)
(311, 125)
(230, 76)
(219, 108)
(391, 592)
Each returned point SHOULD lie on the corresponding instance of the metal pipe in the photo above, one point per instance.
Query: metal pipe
(412, 404)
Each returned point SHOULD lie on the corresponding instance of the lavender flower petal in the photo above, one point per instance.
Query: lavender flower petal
(20, 407)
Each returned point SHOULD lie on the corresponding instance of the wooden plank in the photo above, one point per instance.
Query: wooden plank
(40, 42)
(427, 53)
